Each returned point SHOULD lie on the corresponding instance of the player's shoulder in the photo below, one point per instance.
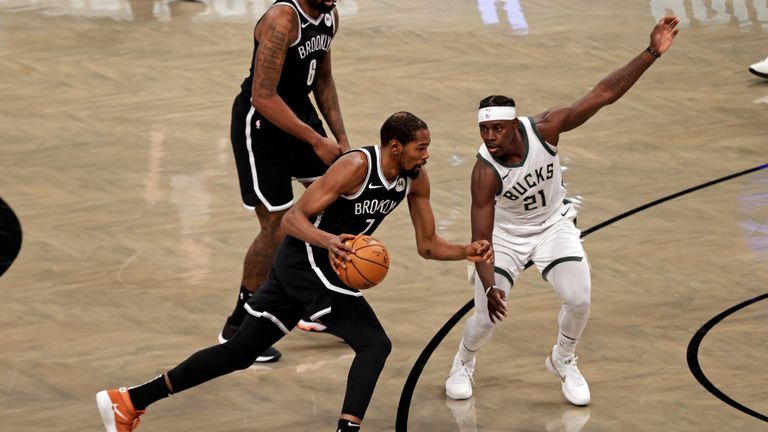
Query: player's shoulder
(281, 12)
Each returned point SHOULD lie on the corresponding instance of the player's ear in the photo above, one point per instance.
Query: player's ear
(396, 147)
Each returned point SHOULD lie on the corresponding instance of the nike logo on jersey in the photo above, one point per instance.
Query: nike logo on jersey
(506, 175)
(305, 24)
(373, 186)
(566, 211)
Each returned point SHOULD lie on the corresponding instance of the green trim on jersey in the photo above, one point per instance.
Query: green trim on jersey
(556, 262)
(505, 274)
(544, 143)
(495, 171)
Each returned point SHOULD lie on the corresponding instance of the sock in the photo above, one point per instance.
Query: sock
(149, 392)
(238, 314)
(347, 426)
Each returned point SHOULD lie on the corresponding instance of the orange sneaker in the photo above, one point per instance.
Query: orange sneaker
(117, 410)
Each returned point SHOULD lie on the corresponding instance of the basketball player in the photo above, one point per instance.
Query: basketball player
(276, 132)
(518, 202)
(353, 197)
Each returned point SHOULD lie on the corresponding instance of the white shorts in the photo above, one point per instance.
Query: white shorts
(558, 243)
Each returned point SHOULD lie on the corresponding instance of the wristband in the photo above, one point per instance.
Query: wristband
(487, 290)
(652, 52)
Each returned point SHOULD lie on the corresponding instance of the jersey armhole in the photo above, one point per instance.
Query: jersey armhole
(298, 19)
(552, 150)
(495, 171)
(367, 175)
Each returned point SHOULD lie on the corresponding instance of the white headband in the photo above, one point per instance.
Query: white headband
(496, 113)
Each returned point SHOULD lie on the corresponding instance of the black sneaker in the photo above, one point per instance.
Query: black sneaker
(268, 356)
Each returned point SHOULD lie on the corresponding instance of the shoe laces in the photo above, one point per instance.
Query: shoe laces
(463, 371)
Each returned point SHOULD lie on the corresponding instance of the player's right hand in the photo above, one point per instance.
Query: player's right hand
(497, 305)
(327, 149)
(338, 250)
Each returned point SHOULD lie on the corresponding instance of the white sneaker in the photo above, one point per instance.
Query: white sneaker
(458, 386)
(575, 387)
(760, 68)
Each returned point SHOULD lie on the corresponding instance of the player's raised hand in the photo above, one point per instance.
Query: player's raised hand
(497, 305)
(663, 34)
(338, 250)
(480, 250)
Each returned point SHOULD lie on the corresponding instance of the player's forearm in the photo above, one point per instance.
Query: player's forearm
(437, 248)
(298, 225)
(277, 112)
(618, 82)
(328, 102)
(485, 273)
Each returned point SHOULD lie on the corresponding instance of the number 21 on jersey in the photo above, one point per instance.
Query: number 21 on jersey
(537, 200)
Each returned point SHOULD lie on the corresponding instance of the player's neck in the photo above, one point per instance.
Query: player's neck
(389, 166)
(517, 150)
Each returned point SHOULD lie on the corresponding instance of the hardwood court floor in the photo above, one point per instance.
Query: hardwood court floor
(115, 157)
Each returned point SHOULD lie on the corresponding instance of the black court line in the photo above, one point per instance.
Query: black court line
(404, 406)
(695, 367)
(10, 236)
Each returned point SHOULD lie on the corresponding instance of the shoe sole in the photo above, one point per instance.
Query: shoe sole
(104, 403)
(568, 396)
(311, 326)
(259, 359)
(457, 397)
(760, 74)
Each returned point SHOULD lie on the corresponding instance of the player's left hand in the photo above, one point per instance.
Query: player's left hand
(663, 34)
(478, 251)
(338, 250)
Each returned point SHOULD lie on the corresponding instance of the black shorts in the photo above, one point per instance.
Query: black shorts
(267, 158)
(295, 288)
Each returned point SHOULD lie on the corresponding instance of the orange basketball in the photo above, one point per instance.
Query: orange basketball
(367, 266)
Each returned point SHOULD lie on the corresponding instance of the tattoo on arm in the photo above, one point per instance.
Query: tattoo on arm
(428, 253)
(620, 80)
(270, 59)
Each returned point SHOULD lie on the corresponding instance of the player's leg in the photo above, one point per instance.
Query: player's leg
(353, 320)
(265, 185)
(563, 263)
(478, 330)
(120, 408)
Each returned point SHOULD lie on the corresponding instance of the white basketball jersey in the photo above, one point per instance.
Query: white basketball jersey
(532, 192)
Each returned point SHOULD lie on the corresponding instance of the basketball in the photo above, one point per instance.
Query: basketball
(367, 266)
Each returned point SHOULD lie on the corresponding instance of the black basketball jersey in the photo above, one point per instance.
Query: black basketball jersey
(303, 57)
(361, 213)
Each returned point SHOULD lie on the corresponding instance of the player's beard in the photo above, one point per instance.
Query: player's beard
(324, 8)
(411, 173)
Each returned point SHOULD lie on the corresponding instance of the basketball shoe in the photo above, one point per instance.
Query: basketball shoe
(575, 387)
(270, 355)
(117, 410)
(458, 386)
(760, 68)
(311, 326)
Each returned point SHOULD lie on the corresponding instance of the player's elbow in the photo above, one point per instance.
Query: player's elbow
(425, 250)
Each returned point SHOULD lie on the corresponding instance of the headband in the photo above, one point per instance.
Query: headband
(496, 113)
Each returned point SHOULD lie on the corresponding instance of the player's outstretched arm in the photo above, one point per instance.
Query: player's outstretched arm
(429, 244)
(562, 119)
(276, 31)
(344, 177)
